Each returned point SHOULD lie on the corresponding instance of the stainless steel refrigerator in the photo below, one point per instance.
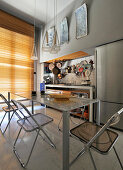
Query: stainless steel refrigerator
(109, 59)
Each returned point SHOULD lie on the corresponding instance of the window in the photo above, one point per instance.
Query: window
(16, 67)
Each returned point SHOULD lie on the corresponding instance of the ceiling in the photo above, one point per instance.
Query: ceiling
(25, 9)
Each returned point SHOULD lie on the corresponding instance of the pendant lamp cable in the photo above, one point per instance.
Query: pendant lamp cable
(46, 12)
(34, 51)
(46, 34)
(34, 21)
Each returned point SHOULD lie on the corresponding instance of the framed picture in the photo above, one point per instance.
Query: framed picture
(81, 21)
(63, 31)
(51, 33)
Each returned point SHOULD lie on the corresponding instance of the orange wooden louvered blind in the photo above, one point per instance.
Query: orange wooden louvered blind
(16, 67)
(15, 24)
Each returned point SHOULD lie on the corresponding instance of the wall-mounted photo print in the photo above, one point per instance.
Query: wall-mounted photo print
(81, 21)
(63, 31)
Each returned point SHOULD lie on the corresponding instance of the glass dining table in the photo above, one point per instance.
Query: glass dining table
(65, 106)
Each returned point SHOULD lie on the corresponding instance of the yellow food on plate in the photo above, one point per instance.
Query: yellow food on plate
(60, 96)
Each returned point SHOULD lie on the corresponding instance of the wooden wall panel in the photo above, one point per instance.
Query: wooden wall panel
(12, 23)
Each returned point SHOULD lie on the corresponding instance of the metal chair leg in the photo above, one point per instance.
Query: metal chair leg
(92, 159)
(3, 119)
(51, 143)
(14, 149)
(59, 123)
(61, 120)
(17, 155)
(79, 154)
(71, 121)
(116, 153)
(2, 122)
(42, 137)
(118, 158)
(32, 148)
(8, 123)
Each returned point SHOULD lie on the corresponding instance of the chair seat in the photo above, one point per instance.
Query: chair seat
(7, 109)
(87, 130)
(28, 124)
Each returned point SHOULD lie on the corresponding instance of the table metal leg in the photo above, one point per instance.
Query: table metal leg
(91, 113)
(9, 106)
(98, 113)
(32, 107)
(65, 163)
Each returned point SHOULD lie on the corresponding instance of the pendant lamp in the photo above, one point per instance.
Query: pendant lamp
(55, 48)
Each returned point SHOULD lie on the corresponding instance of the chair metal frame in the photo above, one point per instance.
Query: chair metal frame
(88, 145)
(83, 109)
(8, 110)
(38, 128)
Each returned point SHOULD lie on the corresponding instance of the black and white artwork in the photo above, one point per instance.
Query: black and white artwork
(63, 31)
(81, 21)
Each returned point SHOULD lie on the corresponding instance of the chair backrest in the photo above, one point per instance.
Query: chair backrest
(113, 120)
(5, 100)
(25, 113)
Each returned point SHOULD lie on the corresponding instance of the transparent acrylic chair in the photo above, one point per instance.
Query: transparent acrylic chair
(101, 139)
(31, 122)
(7, 109)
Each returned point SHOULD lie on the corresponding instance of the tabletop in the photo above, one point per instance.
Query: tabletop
(62, 105)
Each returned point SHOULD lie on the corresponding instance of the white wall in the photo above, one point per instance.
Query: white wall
(105, 24)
